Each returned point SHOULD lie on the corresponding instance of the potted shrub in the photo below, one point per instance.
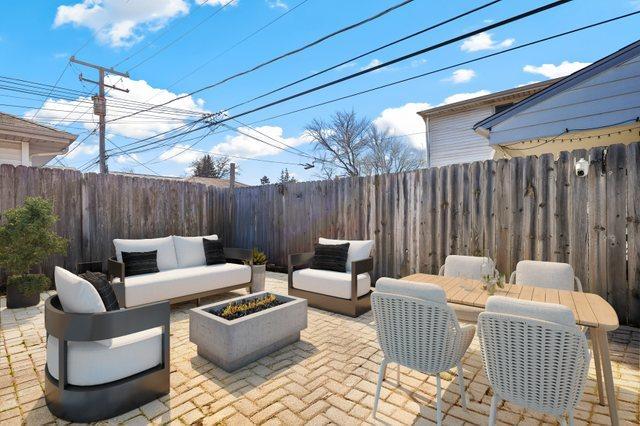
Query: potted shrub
(26, 239)
(259, 271)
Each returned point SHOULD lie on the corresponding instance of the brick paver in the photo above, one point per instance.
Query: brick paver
(327, 377)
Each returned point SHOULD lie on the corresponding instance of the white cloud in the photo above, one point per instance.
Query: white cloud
(373, 63)
(121, 23)
(137, 126)
(127, 159)
(347, 65)
(181, 154)
(403, 120)
(528, 83)
(86, 148)
(215, 2)
(554, 71)
(464, 96)
(277, 4)
(461, 76)
(485, 41)
(246, 146)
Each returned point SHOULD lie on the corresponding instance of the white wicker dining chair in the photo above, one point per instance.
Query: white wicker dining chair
(545, 274)
(533, 355)
(417, 329)
(471, 267)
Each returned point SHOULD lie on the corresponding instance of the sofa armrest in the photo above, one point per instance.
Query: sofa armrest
(103, 325)
(297, 259)
(244, 255)
(95, 266)
(359, 267)
(115, 269)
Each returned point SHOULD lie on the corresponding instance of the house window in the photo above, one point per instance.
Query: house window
(502, 107)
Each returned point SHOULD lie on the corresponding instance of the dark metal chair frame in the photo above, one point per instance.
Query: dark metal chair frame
(92, 403)
(353, 307)
(115, 269)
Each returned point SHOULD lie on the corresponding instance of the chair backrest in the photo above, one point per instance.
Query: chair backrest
(415, 326)
(533, 354)
(546, 274)
(472, 267)
(358, 249)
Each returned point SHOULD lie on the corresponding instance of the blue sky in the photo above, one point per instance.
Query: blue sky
(175, 37)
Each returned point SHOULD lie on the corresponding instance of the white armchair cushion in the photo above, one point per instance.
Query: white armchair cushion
(166, 250)
(423, 291)
(551, 312)
(190, 250)
(331, 283)
(472, 267)
(358, 249)
(76, 294)
(95, 363)
(545, 274)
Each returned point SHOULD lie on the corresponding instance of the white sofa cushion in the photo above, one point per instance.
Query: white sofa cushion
(165, 285)
(424, 291)
(76, 294)
(551, 312)
(95, 363)
(358, 249)
(166, 250)
(331, 283)
(190, 250)
(545, 274)
(472, 267)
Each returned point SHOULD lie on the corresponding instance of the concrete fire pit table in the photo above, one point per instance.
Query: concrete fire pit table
(232, 344)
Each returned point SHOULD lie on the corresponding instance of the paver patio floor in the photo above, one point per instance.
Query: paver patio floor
(327, 377)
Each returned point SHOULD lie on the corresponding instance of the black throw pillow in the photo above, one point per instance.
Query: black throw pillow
(213, 251)
(140, 262)
(330, 257)
(104, 289)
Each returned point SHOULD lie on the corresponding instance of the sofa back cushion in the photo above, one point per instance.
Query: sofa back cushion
(77, 295)
(166, 251)
(190, 250)
(358, 249)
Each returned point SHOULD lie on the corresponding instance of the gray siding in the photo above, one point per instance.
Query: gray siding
(452, 139)
(10, 153)
(603, 100)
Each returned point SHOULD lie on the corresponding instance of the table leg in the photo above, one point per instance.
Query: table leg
(603, 346)
(597, 362)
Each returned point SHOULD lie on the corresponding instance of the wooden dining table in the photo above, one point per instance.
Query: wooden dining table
(589, 310)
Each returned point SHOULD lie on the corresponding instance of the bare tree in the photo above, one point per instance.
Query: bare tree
(341, 142)
(390, 154)
(207, 166)
(352, 146)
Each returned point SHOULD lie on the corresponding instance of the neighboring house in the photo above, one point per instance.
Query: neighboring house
(450, 136)
(27, 143)
(596, 106)
(221, 183)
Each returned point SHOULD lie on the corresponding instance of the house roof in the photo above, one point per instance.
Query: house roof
(17, 124)
(509, 95)
(220, 183)
(560, 85)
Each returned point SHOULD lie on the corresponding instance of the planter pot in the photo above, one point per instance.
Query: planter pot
(232, 344)
(15, 299)
(258, 275)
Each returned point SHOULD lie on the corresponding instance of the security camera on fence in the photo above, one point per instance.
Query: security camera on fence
(582, 166)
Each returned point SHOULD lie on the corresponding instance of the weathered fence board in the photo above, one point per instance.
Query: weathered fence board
(510, 210)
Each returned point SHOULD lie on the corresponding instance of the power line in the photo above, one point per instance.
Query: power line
(369, 52)
(285, 55)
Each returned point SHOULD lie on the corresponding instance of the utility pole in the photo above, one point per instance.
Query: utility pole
(100, 102)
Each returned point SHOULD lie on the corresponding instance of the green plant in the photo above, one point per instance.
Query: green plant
(30, 284)
(259, 258)
(27, 238)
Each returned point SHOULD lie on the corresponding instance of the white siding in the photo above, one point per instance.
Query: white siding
(452, 139)
(11, 153)
(605, 99)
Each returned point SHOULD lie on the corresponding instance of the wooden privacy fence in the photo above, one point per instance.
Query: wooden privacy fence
(95, 209)
(510, 210)
(523, 208)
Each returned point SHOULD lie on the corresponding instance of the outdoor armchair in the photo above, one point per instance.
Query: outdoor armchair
(417, 329)
(534, 355)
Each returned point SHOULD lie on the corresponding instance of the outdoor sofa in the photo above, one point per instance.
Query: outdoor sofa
(347, 293)
(183, 273)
